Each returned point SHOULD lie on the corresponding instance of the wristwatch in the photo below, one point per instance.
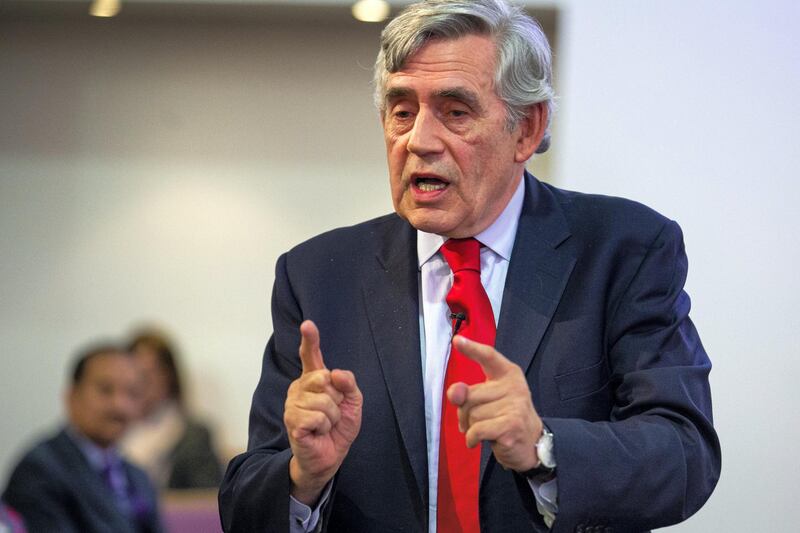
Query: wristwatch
(547, 459)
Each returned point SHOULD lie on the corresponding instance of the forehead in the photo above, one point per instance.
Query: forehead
(110, 365)
(443, 64)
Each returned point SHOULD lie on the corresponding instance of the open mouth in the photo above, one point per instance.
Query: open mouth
(429, 183)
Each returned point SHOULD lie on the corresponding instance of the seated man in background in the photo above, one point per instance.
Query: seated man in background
(174, 448)
(76, 480)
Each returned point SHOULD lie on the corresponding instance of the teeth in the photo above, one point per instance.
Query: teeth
(429, 187)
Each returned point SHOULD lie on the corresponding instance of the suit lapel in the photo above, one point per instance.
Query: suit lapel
(391, 296)
(88, 481)
(537, 275)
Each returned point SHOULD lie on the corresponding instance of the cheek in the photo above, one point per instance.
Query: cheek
(396, 158)
(396, 165)
(395, 187)
(132, 408)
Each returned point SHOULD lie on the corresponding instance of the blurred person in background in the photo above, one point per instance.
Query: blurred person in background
(173, 447)
(77, 480)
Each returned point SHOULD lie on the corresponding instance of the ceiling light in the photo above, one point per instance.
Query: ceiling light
(105, 8)
(371, 10)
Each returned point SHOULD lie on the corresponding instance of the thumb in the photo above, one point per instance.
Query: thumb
(345, 382)
(457, 393)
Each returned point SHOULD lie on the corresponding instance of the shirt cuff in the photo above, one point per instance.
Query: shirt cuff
(546, 494)
(303, 519)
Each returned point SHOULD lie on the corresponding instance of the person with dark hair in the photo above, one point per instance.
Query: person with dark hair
(76, 481)
(173, 447)
(498, 355)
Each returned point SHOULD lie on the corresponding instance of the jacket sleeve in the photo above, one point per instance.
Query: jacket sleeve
(254, 495)
(657, 459)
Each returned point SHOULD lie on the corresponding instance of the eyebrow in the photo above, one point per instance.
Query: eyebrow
(470, 98)
(397, 92)
(462, 95)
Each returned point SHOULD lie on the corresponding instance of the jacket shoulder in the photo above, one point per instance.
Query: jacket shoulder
(347, 246)
(41, 467)
(600, 218)
(359, 235)
(45, 453)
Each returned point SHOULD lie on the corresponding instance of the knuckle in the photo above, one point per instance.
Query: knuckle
(474, 417)
(327, 401)
(319, 378)
(477, 431)
(506, 441)
(288, 409)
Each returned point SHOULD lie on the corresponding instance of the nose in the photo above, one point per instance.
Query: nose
(425, 136)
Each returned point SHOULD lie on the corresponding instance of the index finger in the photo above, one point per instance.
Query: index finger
(310, 353)
(493, 363)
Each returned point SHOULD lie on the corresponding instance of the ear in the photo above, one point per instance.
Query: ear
(531, 132)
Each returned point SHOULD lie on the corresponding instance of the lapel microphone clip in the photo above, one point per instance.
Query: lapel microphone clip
(459, 318)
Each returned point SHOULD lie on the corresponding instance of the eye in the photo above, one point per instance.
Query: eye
(456, 111)
(401, 116)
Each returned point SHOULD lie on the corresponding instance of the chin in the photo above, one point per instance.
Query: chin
(430, 227)
(428, 222)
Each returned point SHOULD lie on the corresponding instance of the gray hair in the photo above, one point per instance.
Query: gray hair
(524, 73)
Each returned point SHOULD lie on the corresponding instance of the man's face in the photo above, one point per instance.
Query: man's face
(106, 399)
(453, 163)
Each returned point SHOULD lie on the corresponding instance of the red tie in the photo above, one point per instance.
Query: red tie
(459, 466)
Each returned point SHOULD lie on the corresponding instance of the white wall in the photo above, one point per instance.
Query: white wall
(155, 173)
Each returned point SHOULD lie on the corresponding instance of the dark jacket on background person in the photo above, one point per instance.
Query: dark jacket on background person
(55, 489)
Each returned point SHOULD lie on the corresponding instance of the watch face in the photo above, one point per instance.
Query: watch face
(544, 449)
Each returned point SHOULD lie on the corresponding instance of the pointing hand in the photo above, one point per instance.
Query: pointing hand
(499, 410)
(322, 417)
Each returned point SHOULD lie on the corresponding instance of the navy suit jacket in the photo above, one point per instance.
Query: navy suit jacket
(593, 311)
(55, 488)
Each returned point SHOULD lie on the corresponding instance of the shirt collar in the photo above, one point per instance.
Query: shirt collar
(498, 237)
(98, 457)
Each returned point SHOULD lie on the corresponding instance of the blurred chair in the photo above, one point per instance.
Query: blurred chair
(190, 511)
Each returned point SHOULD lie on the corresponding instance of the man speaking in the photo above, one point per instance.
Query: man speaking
(499, 354)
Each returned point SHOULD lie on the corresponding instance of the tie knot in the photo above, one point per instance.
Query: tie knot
(462, 254)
